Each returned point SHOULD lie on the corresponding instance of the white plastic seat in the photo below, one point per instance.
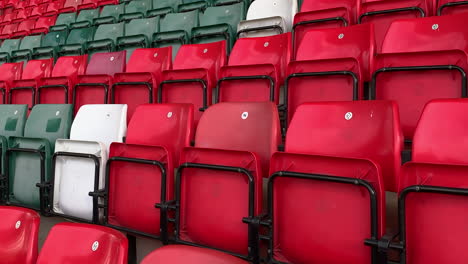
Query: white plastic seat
(267, 13)
(95, 127)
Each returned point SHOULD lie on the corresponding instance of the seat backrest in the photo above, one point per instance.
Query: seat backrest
(138, 6)
(277, 8)
(210, 56)
(10, 28)
(142, 26)
(179, 21)
(30, 42)
(230, 14)
(45, 21)
(316, 5)
(9, 45)
(55, 38)
(112, 11)
(12, 120)
(36, 69)
(78, 243)
(80, 35)
(166, 3)
(252, 127)
(11, 71)
(100, 123)
(427, 34)
(26, 24)
(49, 121)
(70, 66)
(109, 31)
(20, 230)
(153, 60)
(72, 3)
(65, 19)
(87, 15)
(360, 129)
(107, 63)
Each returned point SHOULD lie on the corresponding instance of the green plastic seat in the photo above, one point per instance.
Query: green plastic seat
(85, 18)
(50, 44)
(189, 5)
(138, 34)
(46, 124)
(25, 50)
(110, 14)
(163, 7)
(8, 46)
(105, 38)
(175, 30)
(63, 21)
(219, 23)
(136, 9)
(76, 41)
(231, 2)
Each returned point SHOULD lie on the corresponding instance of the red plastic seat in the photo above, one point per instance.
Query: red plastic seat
(329, 183)
(43, 24)
(38, 10)
(24, 91)
(430, 63)
(108, 2)
(53, 8)
(8, 30)
(22, 14)
(19, 229)
(201, 64)
(138, 85)
(8, 73)
(58, 89)
(450, 7)
(433, 186)
(70, 6)
(383, 12)
(156, 135)
(83, 243)
(331, 65)
(220, 182)
(7, 18)
(315, 14)
(255, 70)
(24, 28)
(93, 87)
(88, 4)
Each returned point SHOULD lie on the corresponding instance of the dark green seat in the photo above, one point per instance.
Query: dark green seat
(175, 30)
(46, 124)
(219, 23)
(136, 9)
(138, 34)
(76, 41)
(163, 7)
(50, 44)
(63, 21)
(109, 14)
(25, 50)
(85, 18)
(189, 5)
(231, 2)
(105, 38)
(8, 46)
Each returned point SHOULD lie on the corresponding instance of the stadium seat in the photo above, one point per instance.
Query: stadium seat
(110, 14)
(138, 34)
(433, 186)
(430, 64)
(58, 87)
(63, 21)
(107, 2)
(8, 18)
(74, 243)
(19, 229)
(105, 38)
(85, 18)
(93, 87)
(338, 159)
(29, 157)
(8, 73)
(450, 7)
(24, 91)
(36, 11)
(12, 120)
(142, 168)
(267, 17)
(190, 5)
(233, 145)
(53, 8)
(136, 9)
(175, 30)
(8, 30)
(24, 28)
(318, 14)
(25, 49)
(332, 69)
(22, 13)
(163, 7)
(255, 70)
(77, 41)
(382, 13)
(70, 6)
(50, 44)
(193, 76)
(138, 85)
(230, 2)
(88, 5)
(43, 24)
(218, 23)
(80, 162)
(7, 47)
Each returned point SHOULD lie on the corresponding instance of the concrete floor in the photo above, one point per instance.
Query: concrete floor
(144, 245)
